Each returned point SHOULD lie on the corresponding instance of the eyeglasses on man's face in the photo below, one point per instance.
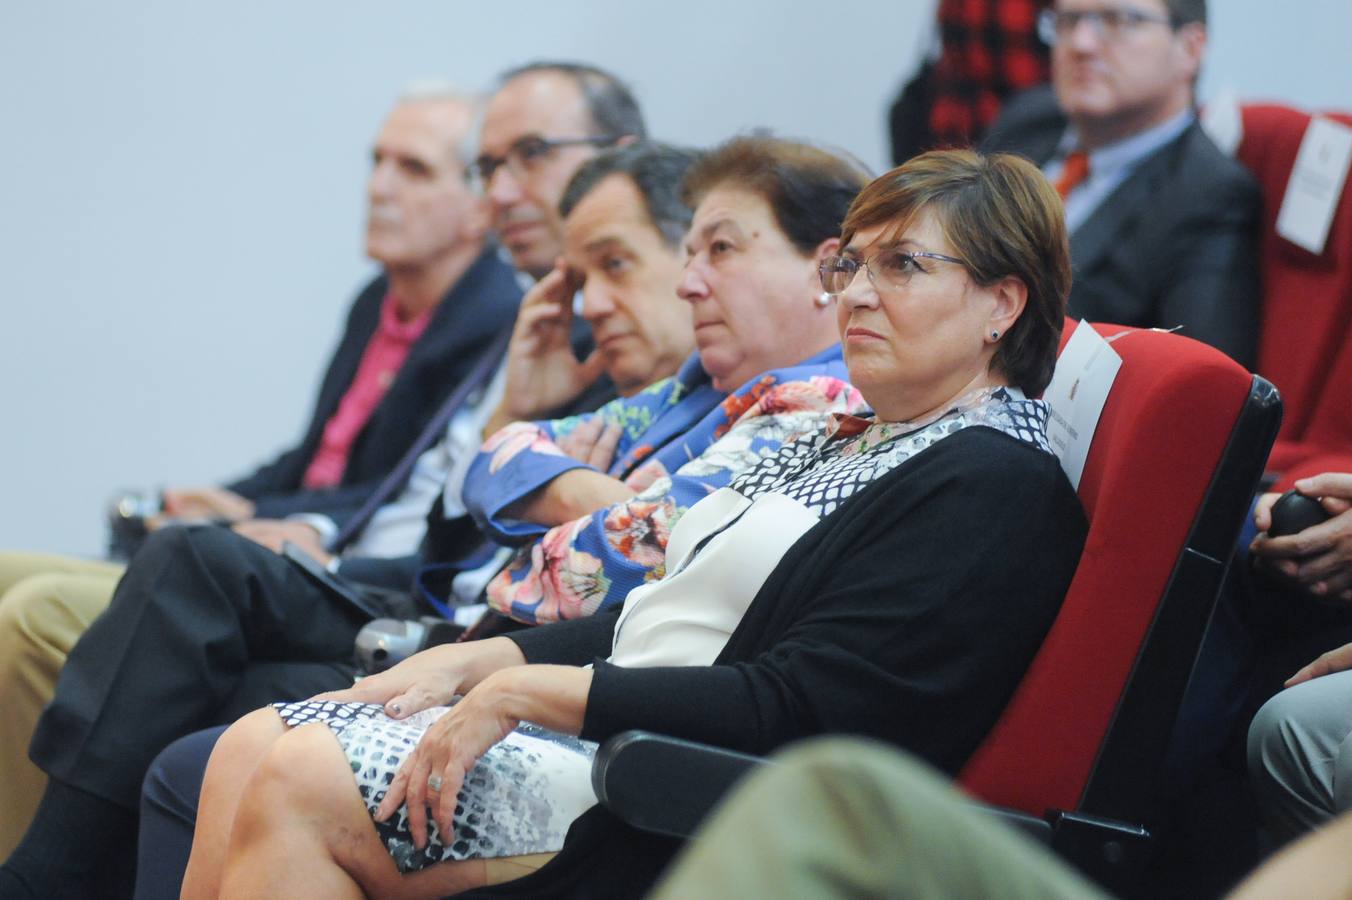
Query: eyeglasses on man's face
(527, 154)
(887, 269)
(1111, 23)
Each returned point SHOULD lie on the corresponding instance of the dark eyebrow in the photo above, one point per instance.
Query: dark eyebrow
(530, 137)
(379, 153)
(708, 230)
(416, 163)
(607, 242)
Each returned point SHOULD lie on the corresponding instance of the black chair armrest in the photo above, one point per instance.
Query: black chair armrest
(668, 786)
(663, 784)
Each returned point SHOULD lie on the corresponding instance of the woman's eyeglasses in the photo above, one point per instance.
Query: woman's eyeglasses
(886, 269)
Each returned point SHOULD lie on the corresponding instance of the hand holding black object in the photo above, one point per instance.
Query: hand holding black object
(1294, 512)
(1317, 557)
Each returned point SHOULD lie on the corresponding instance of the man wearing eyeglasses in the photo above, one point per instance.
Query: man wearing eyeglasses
(545, 120)
(1163, 224)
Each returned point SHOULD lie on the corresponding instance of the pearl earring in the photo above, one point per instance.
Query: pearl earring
(823, 300)
(995, 335)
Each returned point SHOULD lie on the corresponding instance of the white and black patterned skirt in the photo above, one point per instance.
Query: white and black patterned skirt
(519, 798)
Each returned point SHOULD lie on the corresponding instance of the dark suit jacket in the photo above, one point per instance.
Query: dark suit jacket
(1175, 244)
(476, 309)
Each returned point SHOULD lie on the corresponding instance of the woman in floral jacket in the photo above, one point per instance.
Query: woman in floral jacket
(769, 369)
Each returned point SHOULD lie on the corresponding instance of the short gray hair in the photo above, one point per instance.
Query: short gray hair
(430, 89)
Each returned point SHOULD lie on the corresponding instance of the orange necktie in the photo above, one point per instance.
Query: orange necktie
(1075, 171)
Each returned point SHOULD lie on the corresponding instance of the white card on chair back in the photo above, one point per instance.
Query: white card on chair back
(1084, 375)
(1316, 184)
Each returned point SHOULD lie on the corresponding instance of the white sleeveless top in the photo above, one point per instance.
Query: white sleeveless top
(713, 573)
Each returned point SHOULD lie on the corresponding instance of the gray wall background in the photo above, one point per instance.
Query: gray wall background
(181, 188)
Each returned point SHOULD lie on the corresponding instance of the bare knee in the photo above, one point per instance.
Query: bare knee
(254, 731)
(242, 746)
(303, 795)
(303, 771)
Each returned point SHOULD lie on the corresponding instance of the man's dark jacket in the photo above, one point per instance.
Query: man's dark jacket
(478, 307)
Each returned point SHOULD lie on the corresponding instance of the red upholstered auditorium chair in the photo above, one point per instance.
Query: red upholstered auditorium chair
(1177, 454)
(1305, 339)
(1076, 756)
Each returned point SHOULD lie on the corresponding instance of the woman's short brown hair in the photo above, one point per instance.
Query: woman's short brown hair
(1003, 219)
(807, 188)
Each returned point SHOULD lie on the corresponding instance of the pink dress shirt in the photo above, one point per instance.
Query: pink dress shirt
(380, 364)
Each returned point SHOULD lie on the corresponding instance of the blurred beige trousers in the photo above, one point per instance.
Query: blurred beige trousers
(46, 603)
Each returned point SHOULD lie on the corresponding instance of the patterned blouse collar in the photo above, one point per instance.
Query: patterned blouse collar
(1003, 408)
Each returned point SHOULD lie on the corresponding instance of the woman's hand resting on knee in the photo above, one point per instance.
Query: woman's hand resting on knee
(432, 677)
(432, 774)
(554, 697)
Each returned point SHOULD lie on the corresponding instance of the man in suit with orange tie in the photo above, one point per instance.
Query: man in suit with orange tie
(1164, 226)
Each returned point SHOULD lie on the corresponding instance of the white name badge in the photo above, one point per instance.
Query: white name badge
(1316, 184)
(1084, 375)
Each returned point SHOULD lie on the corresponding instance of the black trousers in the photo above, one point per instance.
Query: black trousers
(204, 627)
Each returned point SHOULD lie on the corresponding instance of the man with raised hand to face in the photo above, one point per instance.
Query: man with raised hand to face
(622, 237)
(623, 219)
(1163, 224)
